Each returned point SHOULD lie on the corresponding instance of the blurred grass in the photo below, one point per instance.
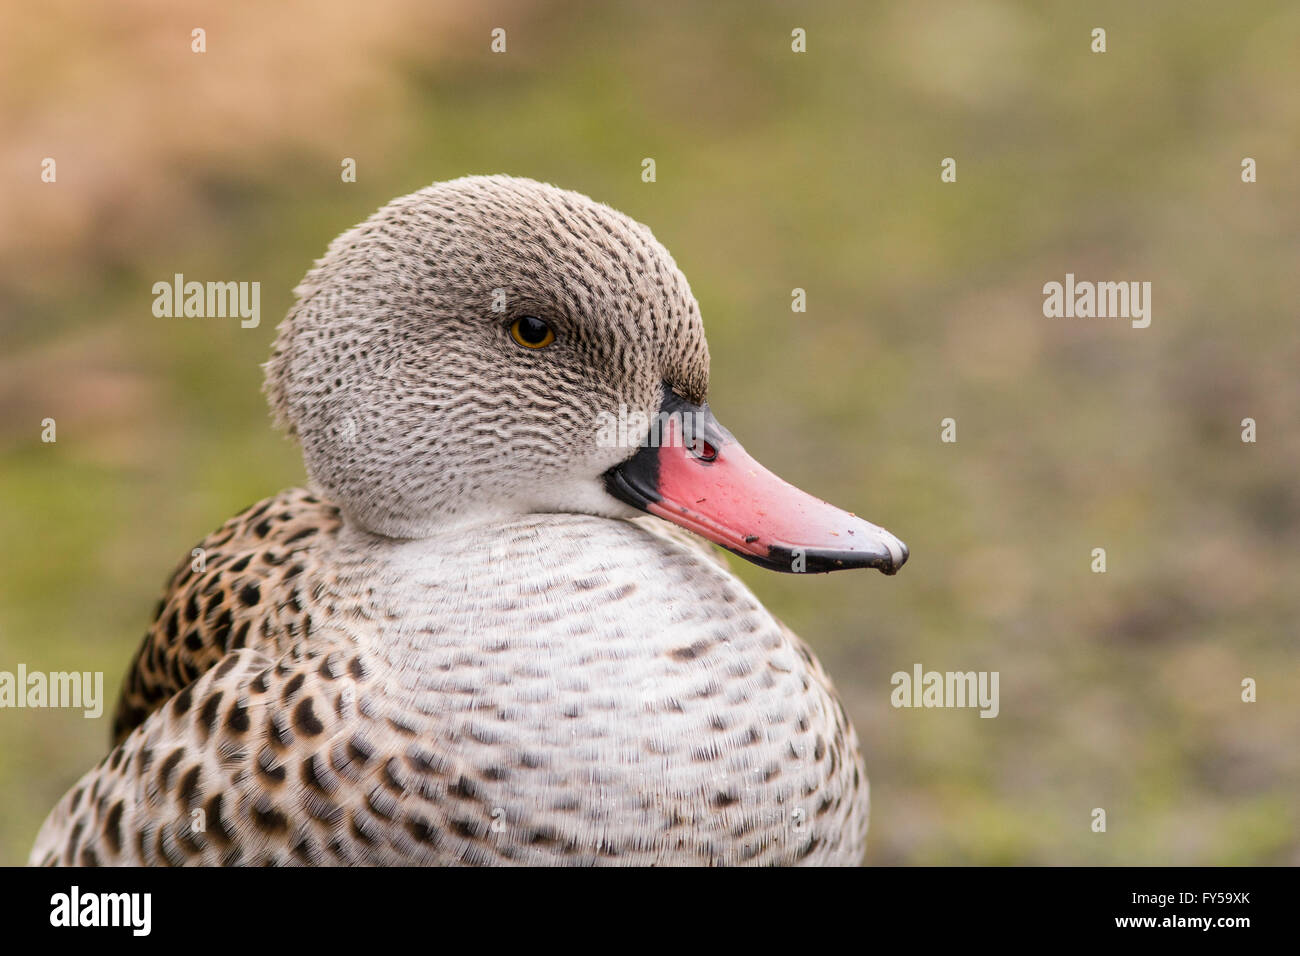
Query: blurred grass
(775, 170)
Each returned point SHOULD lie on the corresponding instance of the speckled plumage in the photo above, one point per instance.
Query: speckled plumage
(457, 648)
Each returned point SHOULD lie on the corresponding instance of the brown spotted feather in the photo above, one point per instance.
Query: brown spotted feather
(235, 590)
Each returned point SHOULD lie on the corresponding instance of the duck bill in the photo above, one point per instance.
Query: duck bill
(692, 472)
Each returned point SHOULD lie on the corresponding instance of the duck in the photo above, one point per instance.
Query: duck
(492, 629)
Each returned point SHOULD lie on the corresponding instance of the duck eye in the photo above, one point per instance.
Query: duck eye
(531, 332)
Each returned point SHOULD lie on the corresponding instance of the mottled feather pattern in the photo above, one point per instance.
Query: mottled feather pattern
(647, 712)
(214, 601)
(397, 327)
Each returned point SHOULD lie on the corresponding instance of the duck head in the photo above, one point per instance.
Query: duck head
(494, 346)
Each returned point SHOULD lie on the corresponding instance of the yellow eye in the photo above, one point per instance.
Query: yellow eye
(531, 332)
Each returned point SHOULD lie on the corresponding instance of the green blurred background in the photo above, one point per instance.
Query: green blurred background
(775, 170)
